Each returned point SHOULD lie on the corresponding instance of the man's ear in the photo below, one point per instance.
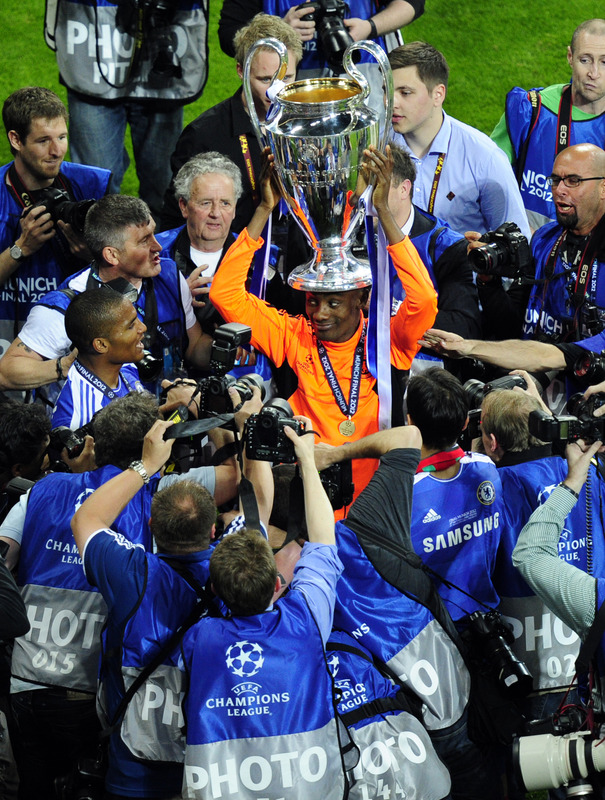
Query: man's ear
(569, 56)
(111, 255)
(183, 207)
(465, 426)
(15, 140)
(439, 93)
(240, 71)
(213, 532)
(278, 583)
(100, 344)
(493, 442)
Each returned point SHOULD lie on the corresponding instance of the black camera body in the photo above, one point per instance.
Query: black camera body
(227, 339)
(476, 390)
(214, 392)
(265, 437)
(566, 427)
(507, 253)
(72, 441)
(493, 637)
(590, 367)
(331, 31)
(337, 481)
(61, 207)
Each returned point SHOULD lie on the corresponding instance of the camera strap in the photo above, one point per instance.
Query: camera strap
(535, 99)
(564, 120)
(26, 198)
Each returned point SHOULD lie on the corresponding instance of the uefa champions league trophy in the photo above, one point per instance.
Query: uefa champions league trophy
(317, 130)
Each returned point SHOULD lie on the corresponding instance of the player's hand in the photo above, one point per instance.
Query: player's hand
(358, 28)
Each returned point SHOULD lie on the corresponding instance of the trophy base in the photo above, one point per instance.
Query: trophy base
(331, 271)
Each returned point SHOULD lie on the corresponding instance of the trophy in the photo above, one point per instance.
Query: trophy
(317, 130)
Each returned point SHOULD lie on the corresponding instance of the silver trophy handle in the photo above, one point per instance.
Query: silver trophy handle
(387, 75)
(282, 52)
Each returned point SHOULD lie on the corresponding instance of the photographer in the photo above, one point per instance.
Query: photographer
(120, 233)
(152, 64)
(42, 250)
(55, 668)
(343, 23)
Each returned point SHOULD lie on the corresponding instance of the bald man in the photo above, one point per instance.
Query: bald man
(539, 124)
(566, 301)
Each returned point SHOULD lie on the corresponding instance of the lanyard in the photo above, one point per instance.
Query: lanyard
(436, 179)
(99, 384)
(347, 428)
(439, 461)
(243, 141)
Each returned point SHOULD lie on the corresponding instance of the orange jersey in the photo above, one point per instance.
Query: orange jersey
(282, 338)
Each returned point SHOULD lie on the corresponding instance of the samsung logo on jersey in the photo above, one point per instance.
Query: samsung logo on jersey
(464, 533)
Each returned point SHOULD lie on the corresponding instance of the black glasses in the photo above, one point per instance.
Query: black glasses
(571, 181)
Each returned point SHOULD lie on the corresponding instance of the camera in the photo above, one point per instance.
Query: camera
(72, 441)
(568, 428)
(151, 21)
(331, 30)
(149, 367)
(265, 437)
(214, 392)
(506, 253)
(337, 481)
(492, 638)
(476, 390)
(547, 761)
(227, 339)
(590, 367)
(60, 207)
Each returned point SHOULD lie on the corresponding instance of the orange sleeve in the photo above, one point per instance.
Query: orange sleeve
(229, 296)
(418, 311)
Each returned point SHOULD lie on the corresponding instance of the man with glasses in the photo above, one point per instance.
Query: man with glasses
(564, 301)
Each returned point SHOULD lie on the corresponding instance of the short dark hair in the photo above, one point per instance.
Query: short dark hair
(243, 572)
(23, 430)
(91, 314)
(120, 427)
(430, 63)
(32, 102)
(404, 168)
(596, 27)
(107, 220)
(506, 414)
(438, 406)
(182, 516)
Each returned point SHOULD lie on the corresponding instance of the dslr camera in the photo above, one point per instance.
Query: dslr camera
(506, 253)
(579, 423)
(72, 441)
(265, 437)
(337, 481)
(476, 390)
(589, 368)
(60, 207)
(151, 20)
(331, 30)
(558, 752)
(491, 638)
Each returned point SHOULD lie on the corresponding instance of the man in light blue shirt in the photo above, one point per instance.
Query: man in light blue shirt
(462, 176)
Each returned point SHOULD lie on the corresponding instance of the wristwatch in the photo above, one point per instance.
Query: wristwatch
(16, 253)
(139, 467)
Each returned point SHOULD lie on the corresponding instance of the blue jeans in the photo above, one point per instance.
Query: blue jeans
(96, 136)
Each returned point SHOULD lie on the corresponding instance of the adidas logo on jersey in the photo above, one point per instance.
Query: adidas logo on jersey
(431, 516)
